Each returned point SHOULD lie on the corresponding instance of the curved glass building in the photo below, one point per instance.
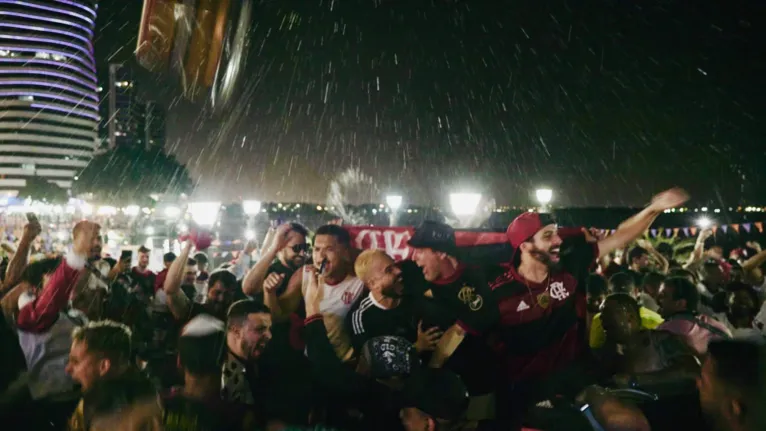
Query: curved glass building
(48, 92)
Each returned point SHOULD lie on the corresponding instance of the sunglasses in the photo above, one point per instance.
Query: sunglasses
(297, 248)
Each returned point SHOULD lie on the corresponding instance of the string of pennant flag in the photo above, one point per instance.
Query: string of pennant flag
(692, 231)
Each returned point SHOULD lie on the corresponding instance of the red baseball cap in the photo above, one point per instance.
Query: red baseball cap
(525, 226)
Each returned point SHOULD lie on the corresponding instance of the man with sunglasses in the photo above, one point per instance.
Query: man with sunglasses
(287, 253)
(282, 365)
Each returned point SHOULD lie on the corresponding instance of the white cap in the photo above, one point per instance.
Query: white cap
(202, 325)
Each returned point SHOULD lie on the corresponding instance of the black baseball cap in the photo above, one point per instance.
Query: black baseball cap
(436, 236)
(436, 392)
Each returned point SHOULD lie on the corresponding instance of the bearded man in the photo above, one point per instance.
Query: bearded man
(543, 306)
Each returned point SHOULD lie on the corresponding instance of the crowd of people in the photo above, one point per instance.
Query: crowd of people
(577, 331)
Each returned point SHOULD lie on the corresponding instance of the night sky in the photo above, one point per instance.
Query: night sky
(606, 103)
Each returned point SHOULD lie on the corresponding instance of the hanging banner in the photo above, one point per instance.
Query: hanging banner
(472, 246)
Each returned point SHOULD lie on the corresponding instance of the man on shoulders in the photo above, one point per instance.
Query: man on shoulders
(542, 300)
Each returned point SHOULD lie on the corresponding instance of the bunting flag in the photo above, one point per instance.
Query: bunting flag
(675, 232)
(735, 227)
(653, 232)
(759, 226)
(746, 226)
(668, 232)
(723, 228)
(693, 231)
(686, 231)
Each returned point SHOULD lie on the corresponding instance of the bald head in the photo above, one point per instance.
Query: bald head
(379, 273)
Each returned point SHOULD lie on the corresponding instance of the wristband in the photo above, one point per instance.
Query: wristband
(312, 318)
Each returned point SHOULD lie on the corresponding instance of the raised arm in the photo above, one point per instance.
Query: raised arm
(178, 303)
(40, 314)
(21, 257)
(281, 307)
(253, 282)
(635, 226)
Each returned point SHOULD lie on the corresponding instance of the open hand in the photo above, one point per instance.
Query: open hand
(281, 237)
(668, 199)
(427, 339)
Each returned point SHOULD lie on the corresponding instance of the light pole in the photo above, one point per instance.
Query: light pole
(544, 198)
(394, 203)
(251, 208)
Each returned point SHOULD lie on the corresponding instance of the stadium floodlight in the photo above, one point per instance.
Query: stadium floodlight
(394, 202)
(464, 204)
(204, 213)
(251, 207)
(544, 196)
(249, 234)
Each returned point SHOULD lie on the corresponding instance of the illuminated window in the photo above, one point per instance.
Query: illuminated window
(58, 57)
(27, 98)
(43, 55)
(4, 53)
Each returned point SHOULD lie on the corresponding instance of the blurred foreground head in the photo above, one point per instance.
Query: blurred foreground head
(732, 385)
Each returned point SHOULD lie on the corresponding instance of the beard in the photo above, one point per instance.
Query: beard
(547, 258)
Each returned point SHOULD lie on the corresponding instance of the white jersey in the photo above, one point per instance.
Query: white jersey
(335, 305)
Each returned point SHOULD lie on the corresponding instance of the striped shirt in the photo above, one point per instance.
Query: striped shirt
(369, 319)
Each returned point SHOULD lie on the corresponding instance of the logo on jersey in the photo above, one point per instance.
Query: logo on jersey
(347, 298)
(522, 306)
(558, 291)
(469, 297)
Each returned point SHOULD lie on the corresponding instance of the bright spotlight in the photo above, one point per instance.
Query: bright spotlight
(394, 202)
(544, 196)
(86, 209)
(106, 210)
(464, 204)
(249, 234)
(704, 222)
(204, 213)
(62, 235)
(132, 210)
(172, 212)
(251, 207)
(150, 230)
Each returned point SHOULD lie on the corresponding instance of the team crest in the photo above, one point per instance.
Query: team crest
(347, 298)
(469, 297)
(558, 291)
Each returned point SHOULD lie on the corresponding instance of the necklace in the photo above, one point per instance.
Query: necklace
(544, 298)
